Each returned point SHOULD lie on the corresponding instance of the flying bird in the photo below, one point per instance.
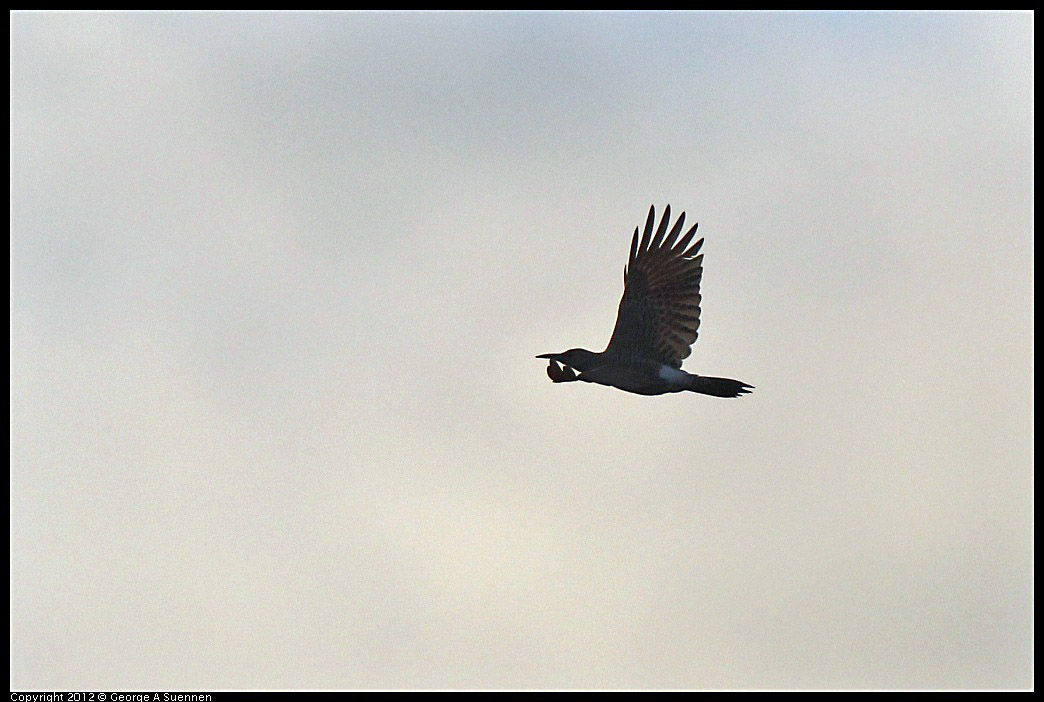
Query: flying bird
(657, 323)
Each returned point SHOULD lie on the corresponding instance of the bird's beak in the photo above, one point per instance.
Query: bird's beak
(548, 355)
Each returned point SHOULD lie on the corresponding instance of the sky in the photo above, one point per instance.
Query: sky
(277, 285)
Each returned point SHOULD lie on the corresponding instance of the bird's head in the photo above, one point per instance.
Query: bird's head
(577, 359)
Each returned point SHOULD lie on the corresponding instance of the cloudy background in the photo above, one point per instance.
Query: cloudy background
(277, 282)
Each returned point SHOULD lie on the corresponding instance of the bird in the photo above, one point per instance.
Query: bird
(657, 322)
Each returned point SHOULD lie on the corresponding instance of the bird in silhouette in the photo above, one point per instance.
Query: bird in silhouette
(657, 323)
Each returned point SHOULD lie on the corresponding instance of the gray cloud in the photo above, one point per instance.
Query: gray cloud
(277, 283)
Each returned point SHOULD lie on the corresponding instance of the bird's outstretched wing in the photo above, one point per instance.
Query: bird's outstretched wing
(659, 314)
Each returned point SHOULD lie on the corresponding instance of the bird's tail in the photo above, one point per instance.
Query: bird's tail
(719, 387)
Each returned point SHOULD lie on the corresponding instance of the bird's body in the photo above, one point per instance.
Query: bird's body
(640, 376)
(657, 323)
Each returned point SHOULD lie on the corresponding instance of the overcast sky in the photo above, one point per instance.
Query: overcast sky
(277, 282)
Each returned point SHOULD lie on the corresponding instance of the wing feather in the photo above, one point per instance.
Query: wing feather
(634, 248)
(680, 246)
(662, 229)
(648, 230)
